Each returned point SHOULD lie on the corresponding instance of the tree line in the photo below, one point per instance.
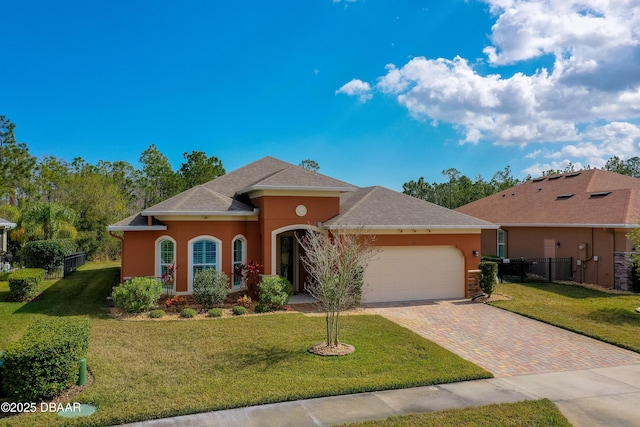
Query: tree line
(50, 197)
(458, 189)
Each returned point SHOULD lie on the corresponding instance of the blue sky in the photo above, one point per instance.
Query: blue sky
(377, 92)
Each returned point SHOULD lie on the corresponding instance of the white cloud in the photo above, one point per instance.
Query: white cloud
(589, 101)
(358, 88)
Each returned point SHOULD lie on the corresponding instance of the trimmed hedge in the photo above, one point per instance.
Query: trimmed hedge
(210, 287)
(45, 361)
(274, 292)
(47, 254)
(488, 277)
(24, 284)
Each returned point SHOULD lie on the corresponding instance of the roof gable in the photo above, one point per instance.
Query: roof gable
(586, 197)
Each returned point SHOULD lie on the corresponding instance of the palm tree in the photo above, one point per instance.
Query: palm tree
(52, 220)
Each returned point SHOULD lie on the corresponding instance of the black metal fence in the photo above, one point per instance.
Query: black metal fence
(70, 264)
(534, 269)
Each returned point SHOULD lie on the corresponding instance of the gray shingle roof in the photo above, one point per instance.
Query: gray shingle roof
(379, 207)
(136, 222)
(6, 224)
(371, 207)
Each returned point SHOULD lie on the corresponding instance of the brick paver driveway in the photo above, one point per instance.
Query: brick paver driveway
(504, 343)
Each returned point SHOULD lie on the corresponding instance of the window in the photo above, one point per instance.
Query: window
(502, 243)
(165, 256)
(204, 255)
(239, 258)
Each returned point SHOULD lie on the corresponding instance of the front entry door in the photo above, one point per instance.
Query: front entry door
(287, 258)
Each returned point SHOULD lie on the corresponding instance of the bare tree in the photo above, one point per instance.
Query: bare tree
(335, 263)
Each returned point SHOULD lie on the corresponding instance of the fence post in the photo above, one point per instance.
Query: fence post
(522, 273)
(550, 269)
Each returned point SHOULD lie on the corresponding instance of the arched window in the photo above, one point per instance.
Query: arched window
(239, 249)
(165, 256)
(204, 253)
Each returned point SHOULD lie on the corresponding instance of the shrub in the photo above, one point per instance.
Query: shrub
(24, 284)
(45, 361)
(215, 312)
(210, 287)
(188, 313)
(47, 254)
(156, 314)
(261, 308)
(137, 294)
(239, 310)
(634, 272)
(245, 301)
(274, 292)
(488, 277)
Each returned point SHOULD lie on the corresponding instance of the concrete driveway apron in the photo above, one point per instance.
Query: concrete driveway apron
(504, 343)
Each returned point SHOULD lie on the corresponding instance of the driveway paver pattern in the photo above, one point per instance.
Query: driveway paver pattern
(504, 343)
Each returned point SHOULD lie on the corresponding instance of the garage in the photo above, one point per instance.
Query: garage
(405, 273)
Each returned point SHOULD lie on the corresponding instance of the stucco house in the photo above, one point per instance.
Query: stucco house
(584, 215)
(254, 213)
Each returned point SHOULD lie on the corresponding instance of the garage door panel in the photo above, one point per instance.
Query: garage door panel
(401, 273)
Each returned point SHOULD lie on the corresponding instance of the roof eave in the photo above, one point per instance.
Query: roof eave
(255, 211)
(8, 225)
(411, 227)
(136, 227)
(559, 225)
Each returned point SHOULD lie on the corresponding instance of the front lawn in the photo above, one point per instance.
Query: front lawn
(153, 369)
(530, 413)
(609, 317)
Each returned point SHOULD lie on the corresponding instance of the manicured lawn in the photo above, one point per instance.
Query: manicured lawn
(152, 369)
(606, 316)
(521, 414)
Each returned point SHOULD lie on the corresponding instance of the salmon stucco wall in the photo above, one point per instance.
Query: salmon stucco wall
(277, 212)
(139, 247)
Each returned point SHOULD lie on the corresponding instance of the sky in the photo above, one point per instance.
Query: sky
(377, 92)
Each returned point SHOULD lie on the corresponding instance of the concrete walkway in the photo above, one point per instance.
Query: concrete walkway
(593, 384)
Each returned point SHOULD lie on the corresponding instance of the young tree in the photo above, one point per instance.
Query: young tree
(50, 220)
(335, 263)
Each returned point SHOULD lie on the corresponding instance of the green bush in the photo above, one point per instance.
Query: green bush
(188, 313)
(24, 284)
(239, 310)
(488, 277)
(274, 292)
(261, 308)
(45, 361)
(156, 314)
(47, 254)
(215, 312)
(634, 272)
(210, 287)
(137, 294)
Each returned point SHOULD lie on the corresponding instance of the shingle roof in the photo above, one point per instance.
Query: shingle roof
(380, 208)
(372, 207)
(589, 197)
(137, 222)
(6, 224)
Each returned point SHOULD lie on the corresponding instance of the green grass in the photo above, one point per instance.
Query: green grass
(539, 413)
(602, 315)
(152, 369)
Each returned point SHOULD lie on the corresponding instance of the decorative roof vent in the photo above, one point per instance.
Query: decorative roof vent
(572, 175)
(564, 196)
(538, 179)
(551, 178)
(599, 195)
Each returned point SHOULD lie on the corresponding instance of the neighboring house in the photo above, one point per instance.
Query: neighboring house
(255, 213)
(5, 226)
(584, 215)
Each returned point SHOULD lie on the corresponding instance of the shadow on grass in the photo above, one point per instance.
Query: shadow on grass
(615, 316)
(266, 357)
(81, 293)
(569, 291)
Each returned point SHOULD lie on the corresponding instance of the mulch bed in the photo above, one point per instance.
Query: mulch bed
(322, 349)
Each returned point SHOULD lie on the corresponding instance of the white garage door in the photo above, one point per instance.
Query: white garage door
(405, 273)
